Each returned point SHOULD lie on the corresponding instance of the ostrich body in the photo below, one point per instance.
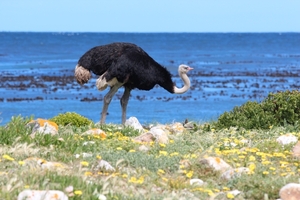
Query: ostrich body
(125, 65)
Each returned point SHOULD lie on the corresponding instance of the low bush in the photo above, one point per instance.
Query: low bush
(71, 118)
(278, 109)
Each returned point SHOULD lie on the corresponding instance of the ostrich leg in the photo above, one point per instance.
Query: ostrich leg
(107, 99)
(124, 102)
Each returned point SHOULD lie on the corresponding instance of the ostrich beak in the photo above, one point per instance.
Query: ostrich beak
(190, 68)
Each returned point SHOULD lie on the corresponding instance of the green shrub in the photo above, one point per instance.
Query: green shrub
(71, 118)
(277, 109)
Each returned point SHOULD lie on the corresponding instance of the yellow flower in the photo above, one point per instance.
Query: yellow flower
(7, 157)
(162, 145)
(119, 148)
(230, 195)
(160, 171)
(165, 179)
(131, 150)
(164, 153)
(88, 173)
(252, 168)
(283, 174)
(21, 162)
(265, 162)
(193, 156)
(265, 172)
(98, 157)
(209, 192)
(174, 154)
(216, 190)
(78, 192)
(272, 168)
(226, 189)
(135, 180)
(181, 166)
(189, 174)
(84, 163)
(251, 158)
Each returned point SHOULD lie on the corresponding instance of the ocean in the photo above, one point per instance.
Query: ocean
(37, 74)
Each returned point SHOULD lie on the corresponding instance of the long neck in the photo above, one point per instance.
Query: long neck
(186, 86)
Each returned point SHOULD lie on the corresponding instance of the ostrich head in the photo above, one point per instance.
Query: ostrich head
(183, 69)
(82, 75)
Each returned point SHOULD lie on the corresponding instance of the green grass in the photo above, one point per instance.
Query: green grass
(162, 172)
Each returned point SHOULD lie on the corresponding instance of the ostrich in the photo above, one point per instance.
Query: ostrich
(125, 65)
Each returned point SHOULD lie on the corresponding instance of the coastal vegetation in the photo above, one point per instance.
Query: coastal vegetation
(246, 137)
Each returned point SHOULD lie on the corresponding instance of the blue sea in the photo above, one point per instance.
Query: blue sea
(37, 74)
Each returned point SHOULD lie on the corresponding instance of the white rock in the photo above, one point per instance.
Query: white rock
(177, 128)
(40, 163)
(101, 197)
(160, 135)
(95, 131)
(290, 191)
(235, 192)
(43, 126)
(196, 182)
(88, 142)
(216, 163)
(42, 195)
(145, 137)
(104, 165)
(234, 172)
(144, 148)
(287, 139)
(69, 189)
(134, 122)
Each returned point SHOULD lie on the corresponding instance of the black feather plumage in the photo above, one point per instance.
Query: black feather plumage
(128, 63)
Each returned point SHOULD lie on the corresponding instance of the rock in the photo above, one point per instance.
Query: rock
(146, 137)
(176, 128)
(287, 139)
(41, 163)
(43, 126)
(234, 172)
(196, 182)
(296, 150)
(290, 191)
(216, 164)
(189, 125)
(134, 122)
(144, 148)
(160, 135)
(96, 131)
(42, 195)
(104, 166)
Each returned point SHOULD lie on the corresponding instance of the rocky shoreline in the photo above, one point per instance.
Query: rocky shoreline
(211, 84)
